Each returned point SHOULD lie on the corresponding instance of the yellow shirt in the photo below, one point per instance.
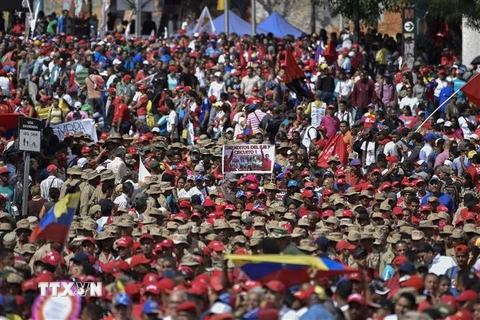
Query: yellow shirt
(43, 112)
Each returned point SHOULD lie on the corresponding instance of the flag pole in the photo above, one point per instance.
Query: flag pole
(434, 111)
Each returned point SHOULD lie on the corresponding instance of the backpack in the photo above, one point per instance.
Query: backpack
(452, 188)
(317, 134)
(273, 125)
(77, 115)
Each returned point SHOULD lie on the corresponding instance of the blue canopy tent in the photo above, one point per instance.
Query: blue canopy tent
(280, 27)
(236, 24)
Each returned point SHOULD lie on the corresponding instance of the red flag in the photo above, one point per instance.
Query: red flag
(335, 146)
(472, 90)
(71, 11)
(292, 70)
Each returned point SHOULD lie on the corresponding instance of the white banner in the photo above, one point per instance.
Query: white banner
(205, 23)
(142, 172)
(248, 158)
(86, 126)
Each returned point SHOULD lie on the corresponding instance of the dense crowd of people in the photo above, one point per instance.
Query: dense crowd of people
(400, 208)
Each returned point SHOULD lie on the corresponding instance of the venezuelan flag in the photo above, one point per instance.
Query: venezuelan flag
(290, 269)
(55, 224)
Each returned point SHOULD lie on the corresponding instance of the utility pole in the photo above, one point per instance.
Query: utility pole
(227, 18)
(254, 18)
(138, 18)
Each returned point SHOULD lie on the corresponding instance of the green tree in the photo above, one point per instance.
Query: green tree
(366, 12)
(452, 11)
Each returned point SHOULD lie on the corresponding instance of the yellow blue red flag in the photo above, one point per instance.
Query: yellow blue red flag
(289, 269)
(56, 223)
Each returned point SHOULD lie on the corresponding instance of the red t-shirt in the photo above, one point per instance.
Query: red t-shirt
(121, 111)
(142, 110)
(5, 108)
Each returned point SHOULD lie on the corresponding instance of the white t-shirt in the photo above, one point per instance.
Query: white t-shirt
(344, 88)
(172, 120)
(238, 119)
(463, 124)
(310, 133)
(411, 102)
(216, 88)
(369, 148)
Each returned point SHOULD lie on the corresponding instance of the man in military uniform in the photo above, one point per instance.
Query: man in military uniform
(281, 158)
(23, 232)
(272, 191)
(106, 178)
(387, 257)
(74, 174)
(93, 179)
(153, 192)
(105, 243)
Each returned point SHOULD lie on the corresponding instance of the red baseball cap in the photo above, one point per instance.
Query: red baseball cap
(357, 298)
(425, 207)
(152, 288)
(138, 259)
(216, 245)
(276, 286)
(347, 214)
(198, 288)
(415, 282)
(467, 295)
(89, 239)
(30, 284)
(124, 242)
(397, 211)
(146, 236)
(307, 194)
(344, 244)
(52, 258)
(184, 204)
(150, 278)
(442, 208)
(167, 243)
(166, 284)
(50, 168)
(188, 306)
(399, 260)
(230, 207)
(392, 159)
(208, 203)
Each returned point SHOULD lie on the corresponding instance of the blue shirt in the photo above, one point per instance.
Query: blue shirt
(444, 199)
(457, 84)
(317, 311)
(445, 93)
(204, 108)
(7, 192)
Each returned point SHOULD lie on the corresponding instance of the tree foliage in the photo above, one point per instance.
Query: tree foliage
(452, 11)
(369, 11)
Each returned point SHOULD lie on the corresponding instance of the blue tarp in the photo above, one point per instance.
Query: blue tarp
(236, 24)
(280, 27)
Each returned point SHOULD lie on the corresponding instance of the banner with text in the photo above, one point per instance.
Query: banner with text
(248, 158)
(86, 126)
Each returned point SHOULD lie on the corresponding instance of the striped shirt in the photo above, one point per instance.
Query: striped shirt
(47, 184)
(254, 119)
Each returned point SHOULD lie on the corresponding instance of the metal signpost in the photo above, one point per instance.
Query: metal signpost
(409, 31)
(29, 140)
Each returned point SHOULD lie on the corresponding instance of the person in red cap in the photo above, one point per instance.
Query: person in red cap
(139, 106)
(50, 182)
(462, 255)
(275, 295)
(121, 116)
(344, 251)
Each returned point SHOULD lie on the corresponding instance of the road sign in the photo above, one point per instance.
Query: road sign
(409, 35)
(409, 26)
(29, 134)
